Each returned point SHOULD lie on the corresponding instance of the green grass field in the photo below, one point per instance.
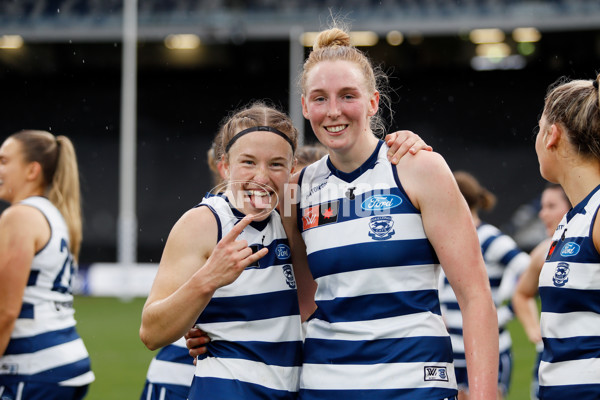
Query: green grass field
(110, 326)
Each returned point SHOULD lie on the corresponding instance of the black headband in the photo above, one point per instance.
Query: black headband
(595, 84)
(259, 128)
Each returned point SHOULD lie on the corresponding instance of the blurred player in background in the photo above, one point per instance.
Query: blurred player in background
(41, 353)
(554, 205)
(504, 262)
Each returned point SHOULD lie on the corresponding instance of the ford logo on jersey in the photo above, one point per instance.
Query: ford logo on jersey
(282, 252)
(570, 249)
(381, 202)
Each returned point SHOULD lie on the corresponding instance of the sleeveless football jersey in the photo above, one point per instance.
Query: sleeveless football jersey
(44, 345)
(254, 323)
(173, 368)
(378, 331)
(570, 320)
(503, 260)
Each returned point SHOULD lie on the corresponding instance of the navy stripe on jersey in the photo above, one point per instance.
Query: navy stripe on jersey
(452, 306)
(586, 253)
(507, 258)
(62, 373)
(225, 389)
(285, 354)
(66, 371)
(559, 300)
(27, 311)
(175, 354)
(344, 209)
(219, 228)
(371, 255)
(382, 394)
(376, 306)
(486, 243)
(579, 392)
(580, 207)
(573, 348)
(495, 282)
(459, 331)
(268, 305)
(400, 350)
(273, 257)
(180, 391)
(33, 277)
(42, 341)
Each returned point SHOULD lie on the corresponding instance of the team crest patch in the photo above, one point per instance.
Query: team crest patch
(382, 228)
(433, 373)
(560, 274)
(322, 214)
(289, 276)
(570, 249)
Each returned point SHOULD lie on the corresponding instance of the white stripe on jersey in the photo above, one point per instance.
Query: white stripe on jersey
(380, 376)
(45, 359)
(328, 236)
(586, 278)
(252, 372)
(80, 380)
(412, 325)
(568, 325)
(393, 279)
(170, 373)
(257, 330)
(573, 372)
(47, 319)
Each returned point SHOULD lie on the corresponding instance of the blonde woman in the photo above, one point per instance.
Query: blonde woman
(41, 354)
(568, 150)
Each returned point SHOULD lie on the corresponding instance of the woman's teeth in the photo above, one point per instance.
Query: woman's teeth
(335, 129)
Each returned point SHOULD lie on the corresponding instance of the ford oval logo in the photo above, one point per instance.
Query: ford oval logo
(282, 252)
(381, 202)
(570, 249)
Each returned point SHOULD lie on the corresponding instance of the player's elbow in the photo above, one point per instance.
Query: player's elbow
(148, 339)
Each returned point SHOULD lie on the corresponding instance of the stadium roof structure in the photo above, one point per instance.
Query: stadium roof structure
(222, 21)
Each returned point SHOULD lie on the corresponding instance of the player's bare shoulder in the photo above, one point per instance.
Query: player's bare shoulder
(197, 227)
(422, 174)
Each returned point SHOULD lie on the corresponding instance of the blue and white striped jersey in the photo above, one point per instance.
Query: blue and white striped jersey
(254, 323)
(378, 332)
(570, 320)
(504, 262)
(44, 345)
(172, 367)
